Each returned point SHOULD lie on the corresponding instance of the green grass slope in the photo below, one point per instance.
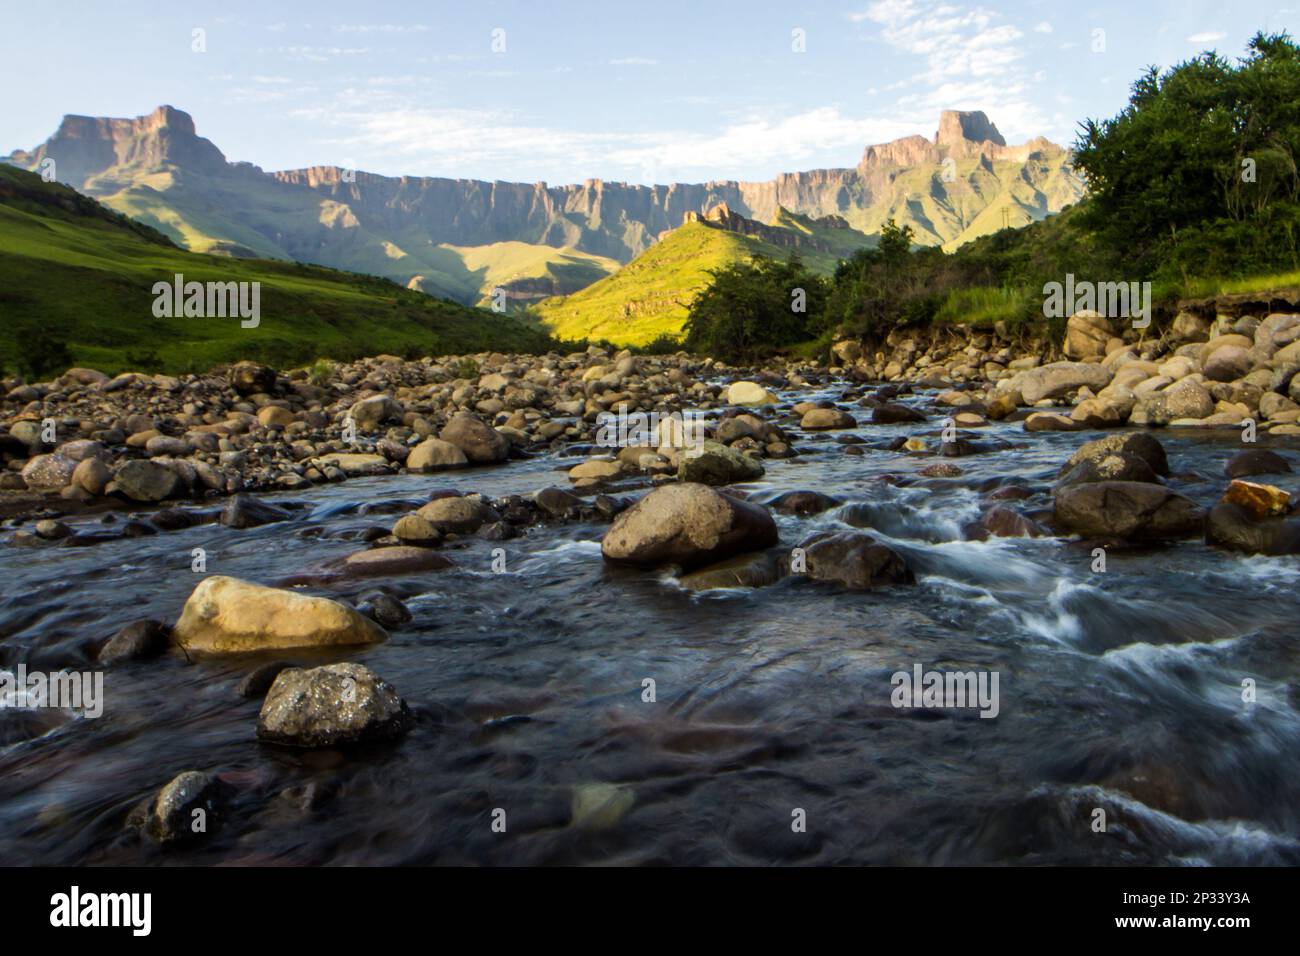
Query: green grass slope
(77, 273)
(651, 296)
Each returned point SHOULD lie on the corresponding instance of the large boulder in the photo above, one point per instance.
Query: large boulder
(1276, 332)
(749, 393)
(225, 615)
(1086, 335)
(332, 706)
(754, 570)
(434, 454)
(455, 515)
(481, 443)
(1059, 379)
(143, 480)
(687, 524)
(1185, 399)
(245, 511)
(374, 411)
(1133, 510)
(854, 559)
(1228, 363)
(1231, 526)
(1256, 461)
(1138, 444)
(49, 472)
(716, 464)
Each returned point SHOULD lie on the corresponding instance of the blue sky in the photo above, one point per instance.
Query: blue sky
(643, 92)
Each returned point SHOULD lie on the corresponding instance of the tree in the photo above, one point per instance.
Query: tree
(752, 308)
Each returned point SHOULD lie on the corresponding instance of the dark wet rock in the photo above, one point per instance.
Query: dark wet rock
(259, 680)
(139, 640)
(174, 519)
(245, 511)
(1256, 461)
(249, 378)
(803, 503)
(854, 559)
(382, 562)
(556, 502)
(332, 706)
(687, 524)
(891, 413)
(187, 808)
(49, 529)
(1003, 522)
(1127, 509)
(717, 464)
(385, 610)
(1113, 466)
(1137, 444)
(754, 570)
(1231, 526)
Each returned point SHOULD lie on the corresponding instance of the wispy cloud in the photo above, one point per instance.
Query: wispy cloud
(1207, 37)
(434, 141)
(970, 57)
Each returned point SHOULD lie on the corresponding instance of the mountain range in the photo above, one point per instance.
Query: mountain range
(462, 239)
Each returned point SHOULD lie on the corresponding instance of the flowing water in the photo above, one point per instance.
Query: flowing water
(1120, 691)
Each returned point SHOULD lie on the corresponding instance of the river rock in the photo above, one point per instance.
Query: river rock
(480, 442)
(824, 419)
(1114, 466)
(749, 393)
(717, 464)
(1126, 509)
(1256, 461)
(893, 413)
(434, 454)
(454, 515)
(143, 480)
(687, 524)
(1137, 444)
(249, 378)
(245, 511)
(371, 412)
(1059, 379)
(755, 570)
(803, 503)
(137, 641)
(91, 476)
(854, 559)
(1231, 526)
(188, 807)
(332, 706)
(48, 472)
(1259, 501)
(392, 561)
(225, 615)
(1086, 335)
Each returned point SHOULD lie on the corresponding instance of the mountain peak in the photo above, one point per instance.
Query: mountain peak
(961, 126)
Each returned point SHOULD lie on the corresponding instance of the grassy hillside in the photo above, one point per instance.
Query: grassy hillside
(651, 296)
(75, 273)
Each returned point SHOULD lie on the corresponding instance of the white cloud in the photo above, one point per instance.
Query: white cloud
(633, 61)
(970, 60)
(457, 143)
(1043, 27)
(1207, 37)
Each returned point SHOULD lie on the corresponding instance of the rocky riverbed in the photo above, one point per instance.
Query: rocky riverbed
(412, 611)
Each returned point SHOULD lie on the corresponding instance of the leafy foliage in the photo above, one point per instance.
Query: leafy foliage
(752, 307)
